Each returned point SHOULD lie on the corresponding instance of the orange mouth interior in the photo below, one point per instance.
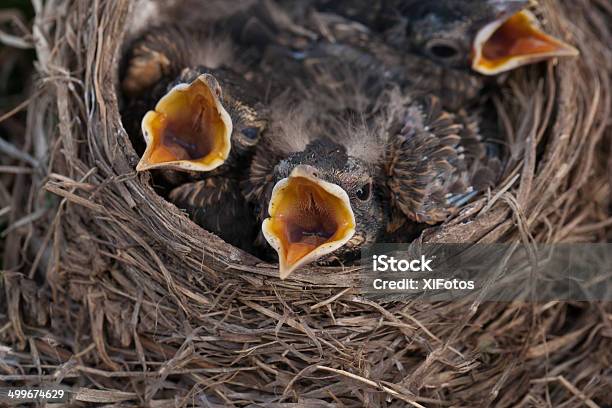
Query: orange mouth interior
(306, 216)
(517, 37)
(187, 125)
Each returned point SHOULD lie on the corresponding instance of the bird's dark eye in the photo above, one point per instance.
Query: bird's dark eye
(364, 192)
(251, 133)
(443, 50)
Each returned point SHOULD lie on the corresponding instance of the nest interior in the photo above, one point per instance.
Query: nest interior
(111, 288)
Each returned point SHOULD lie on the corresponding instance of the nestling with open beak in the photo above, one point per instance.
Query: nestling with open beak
(197, 109)
(215, 202)
(202, 121)
(199, 124)
(442, 47)
(314, 187)
(488, 36)
(323, 198)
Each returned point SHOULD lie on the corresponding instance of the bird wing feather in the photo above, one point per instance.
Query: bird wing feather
(217, 205)
(257, 187)
(426, 162)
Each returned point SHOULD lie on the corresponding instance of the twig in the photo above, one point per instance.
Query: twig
(17, 108)
(570, 387)
(9, 149)
(330, 300)
(372, 384)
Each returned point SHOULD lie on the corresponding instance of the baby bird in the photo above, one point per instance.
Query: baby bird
(202, 119)
(195, 108)
(314, 188)
(332, 180)
(444, 47)
(488, 36)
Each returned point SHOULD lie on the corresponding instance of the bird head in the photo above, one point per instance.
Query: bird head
(189, 129)
(488, 36)
(203, 116)
(323, 202)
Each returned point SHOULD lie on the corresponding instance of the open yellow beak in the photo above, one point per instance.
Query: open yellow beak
(309, 218)
(509, 43)
(188, 130)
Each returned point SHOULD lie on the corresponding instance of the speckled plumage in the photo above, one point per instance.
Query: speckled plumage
(217, 205)
(170, 55)
(434, 156)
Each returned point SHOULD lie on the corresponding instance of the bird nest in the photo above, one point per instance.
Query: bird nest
(121, 294)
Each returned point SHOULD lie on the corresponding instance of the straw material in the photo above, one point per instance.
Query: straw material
(111, 288)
